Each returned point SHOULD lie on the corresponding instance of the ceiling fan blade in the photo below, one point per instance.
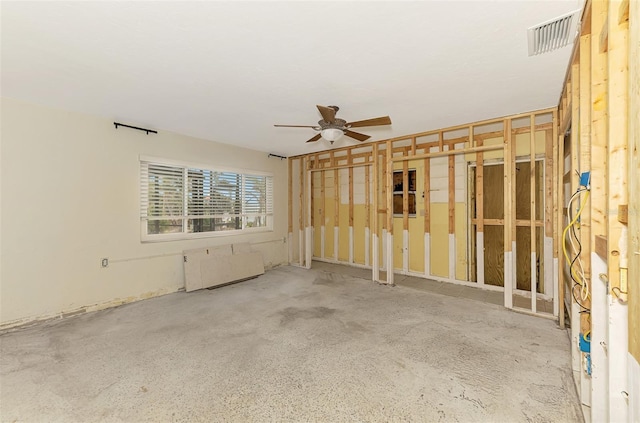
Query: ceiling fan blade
(316, 138)
(356, 135)
(295, 126)
(384, 120)
(328, 114)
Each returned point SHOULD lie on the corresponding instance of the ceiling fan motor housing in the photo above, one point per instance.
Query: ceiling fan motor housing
(337, 123)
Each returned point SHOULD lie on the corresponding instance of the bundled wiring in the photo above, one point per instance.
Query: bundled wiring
(577, 276)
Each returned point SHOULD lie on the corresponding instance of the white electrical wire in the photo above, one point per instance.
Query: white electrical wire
(584, 287)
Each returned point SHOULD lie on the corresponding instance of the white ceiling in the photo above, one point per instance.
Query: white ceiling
(228, 71)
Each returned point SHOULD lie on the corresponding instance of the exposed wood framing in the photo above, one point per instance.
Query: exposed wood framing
(600, 246)
(452, 152)
(479, 188)
(623, 12)
(375, 232)
(617, 172)
(350, 163)
(508, 210)
(532, 211)
(301, 196)
(323, 211)
(405, 195)
(598, 205)
(421, 146)
(599, 115)
(548, 217)
(367, 197)
(548, 183)
(558, 169)
(384, 188)
(313, 200)
(518, 222)
(336, 206)
(511, 164)
(290, 193)
(403, 149)
(389, 183)
(585, 161)
(452, 194)
(633, 16)
(427, 195)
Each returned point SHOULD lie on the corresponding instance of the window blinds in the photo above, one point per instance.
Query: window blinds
(204, 197)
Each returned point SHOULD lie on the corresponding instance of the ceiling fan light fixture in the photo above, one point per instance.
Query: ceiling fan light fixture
(331, 134)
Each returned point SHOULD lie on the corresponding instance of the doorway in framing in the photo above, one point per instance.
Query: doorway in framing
(493, 207)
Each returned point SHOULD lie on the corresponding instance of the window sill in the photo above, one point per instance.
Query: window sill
(145, 238)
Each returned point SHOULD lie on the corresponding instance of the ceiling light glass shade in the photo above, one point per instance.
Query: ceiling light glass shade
(331, 134)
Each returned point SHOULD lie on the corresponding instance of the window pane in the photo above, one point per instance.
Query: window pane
(212, 224)
(169, 226)
(256, 221)
(164, 191)
(255, 194)
(214, 201)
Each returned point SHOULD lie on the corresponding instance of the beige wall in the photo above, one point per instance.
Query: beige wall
(70, 196)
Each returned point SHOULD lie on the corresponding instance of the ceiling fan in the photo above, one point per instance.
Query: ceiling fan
(331, 128)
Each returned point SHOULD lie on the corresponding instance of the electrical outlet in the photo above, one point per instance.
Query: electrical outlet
(104, 262)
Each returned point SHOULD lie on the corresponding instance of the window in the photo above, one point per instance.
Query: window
(398, 192)
(182, 201)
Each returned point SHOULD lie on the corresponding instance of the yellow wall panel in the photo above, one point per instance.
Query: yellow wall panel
(461, 242)
(523, 142)
(416, 244)
(488, 155)
(522, 146)
(440, 239)
(317, 210)
(397, 243)
(359, 217)
(343, 239)
(328, 216)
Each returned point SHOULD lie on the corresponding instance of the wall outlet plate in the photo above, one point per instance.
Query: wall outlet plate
(104, 262)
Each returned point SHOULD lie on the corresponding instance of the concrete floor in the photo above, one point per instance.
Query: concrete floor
(444, 288)
(291, 345)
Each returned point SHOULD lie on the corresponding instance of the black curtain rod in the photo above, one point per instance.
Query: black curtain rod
(276, 155)
(116, 124)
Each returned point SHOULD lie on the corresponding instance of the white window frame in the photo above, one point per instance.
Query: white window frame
(184, 234)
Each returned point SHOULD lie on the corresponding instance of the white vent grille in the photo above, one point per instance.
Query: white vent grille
(553, 34)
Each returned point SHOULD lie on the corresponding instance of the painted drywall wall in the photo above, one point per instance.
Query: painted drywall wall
(70, 190)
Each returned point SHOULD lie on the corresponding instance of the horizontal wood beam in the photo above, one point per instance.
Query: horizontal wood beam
(343, 166)
(500, 222)
(449, 152)
(409, 137)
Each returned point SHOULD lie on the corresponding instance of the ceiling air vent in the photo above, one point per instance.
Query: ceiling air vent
(553, 34)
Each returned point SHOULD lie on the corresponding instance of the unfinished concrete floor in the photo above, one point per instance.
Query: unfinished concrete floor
(291, 345)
